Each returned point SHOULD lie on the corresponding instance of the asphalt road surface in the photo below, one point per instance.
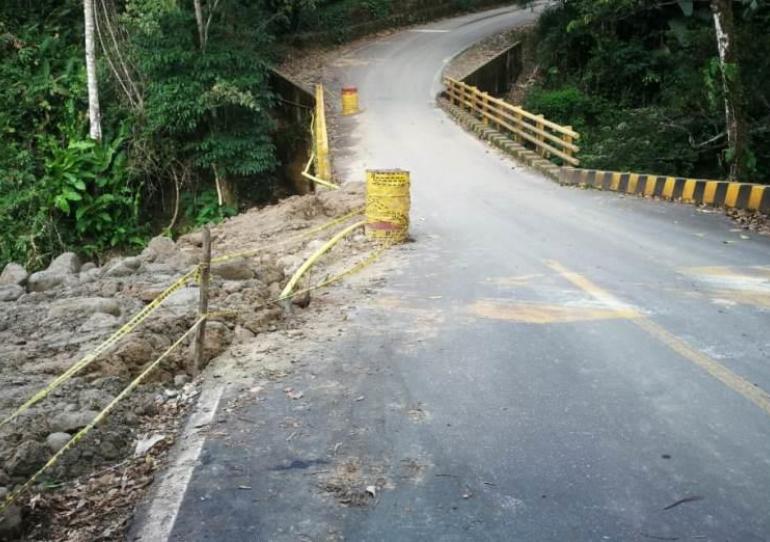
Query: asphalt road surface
(543, 363)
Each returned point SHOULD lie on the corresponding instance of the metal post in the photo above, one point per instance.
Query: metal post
(203, 302)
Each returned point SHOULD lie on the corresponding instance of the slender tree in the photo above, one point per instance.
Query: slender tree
(94, 112)
(735, 121)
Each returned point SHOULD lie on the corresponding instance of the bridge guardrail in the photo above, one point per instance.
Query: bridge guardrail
(547, 137)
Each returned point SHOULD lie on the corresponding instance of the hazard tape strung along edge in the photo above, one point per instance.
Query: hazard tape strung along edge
(89, 358)
(300, 237)
(142, 315)
(12, 497)
(148, 310)
(99, 417)
(317, 254)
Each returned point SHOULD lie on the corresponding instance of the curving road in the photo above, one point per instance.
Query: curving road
(544, 363)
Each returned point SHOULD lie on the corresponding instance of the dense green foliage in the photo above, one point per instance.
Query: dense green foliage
(640, 80)
(57, 188)
(189, 114)
(186, 113)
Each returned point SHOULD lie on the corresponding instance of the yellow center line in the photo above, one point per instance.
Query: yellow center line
(750, 391)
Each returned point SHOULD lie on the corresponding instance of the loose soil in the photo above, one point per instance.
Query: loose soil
(91, 492)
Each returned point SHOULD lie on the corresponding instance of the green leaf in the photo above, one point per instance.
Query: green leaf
(62, 204)
(72, 195)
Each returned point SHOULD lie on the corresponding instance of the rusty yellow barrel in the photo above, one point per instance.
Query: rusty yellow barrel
(387, 204)
(349, 100)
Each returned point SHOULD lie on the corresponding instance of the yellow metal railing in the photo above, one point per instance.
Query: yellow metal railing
(547, 137)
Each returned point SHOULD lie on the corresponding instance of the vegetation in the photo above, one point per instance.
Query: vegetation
(650, 90)
(179, 132)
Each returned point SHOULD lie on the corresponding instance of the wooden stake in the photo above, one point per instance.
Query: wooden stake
(203, 303)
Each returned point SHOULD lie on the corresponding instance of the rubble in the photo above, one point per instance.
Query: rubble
(52, 318)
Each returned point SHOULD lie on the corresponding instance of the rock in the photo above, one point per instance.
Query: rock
(243, 335)
(45, 280)
(10, 523)
(88, 266)
(67, 264)
(183, 261)
(195, 239)
(288, 263)
(170, 394)
(259, 320)
(94, 398)
(232, 286)
(119, 268)
(56, 441)
(132, 352)
(29, 456)
(132, 263)
(83, 306)
(183, 301)
(180, 380)
(4, 479)
(218, 338)
(271, 274)
(99, 322)
(13, 274)
(11, 292)
(237, 269)
(68, 422)
(159, 248)
(159, 269)
(112, 445)
(145, 444)
(109, 289)
(89, 275)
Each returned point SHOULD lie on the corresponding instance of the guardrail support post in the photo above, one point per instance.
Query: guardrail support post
(568, 140)
(203, 303)
(519, 125)
(485, 109)
(541, 127)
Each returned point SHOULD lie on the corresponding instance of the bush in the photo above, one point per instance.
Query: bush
(567, 105)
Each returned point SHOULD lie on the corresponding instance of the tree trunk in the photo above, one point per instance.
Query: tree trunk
(201, 27)
(225, 189)
(94, 113)
(735, 122)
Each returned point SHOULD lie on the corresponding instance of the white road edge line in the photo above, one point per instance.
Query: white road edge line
(428, 30)
(162, 512)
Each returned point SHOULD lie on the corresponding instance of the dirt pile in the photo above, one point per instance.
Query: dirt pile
(51, 319)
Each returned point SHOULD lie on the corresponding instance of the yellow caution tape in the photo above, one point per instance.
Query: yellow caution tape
(300, 237)
(89, 358)
(317, 254)
(142, 315)
(360, 266)
(306, 174)
(373, 257)
(99, 417)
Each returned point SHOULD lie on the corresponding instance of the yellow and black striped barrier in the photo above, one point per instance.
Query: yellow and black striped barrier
(728, 194)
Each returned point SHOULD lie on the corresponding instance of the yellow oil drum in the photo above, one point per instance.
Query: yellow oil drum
(349, 100)
(388, 202)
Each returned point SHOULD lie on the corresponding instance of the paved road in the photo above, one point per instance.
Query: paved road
(544, 363)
